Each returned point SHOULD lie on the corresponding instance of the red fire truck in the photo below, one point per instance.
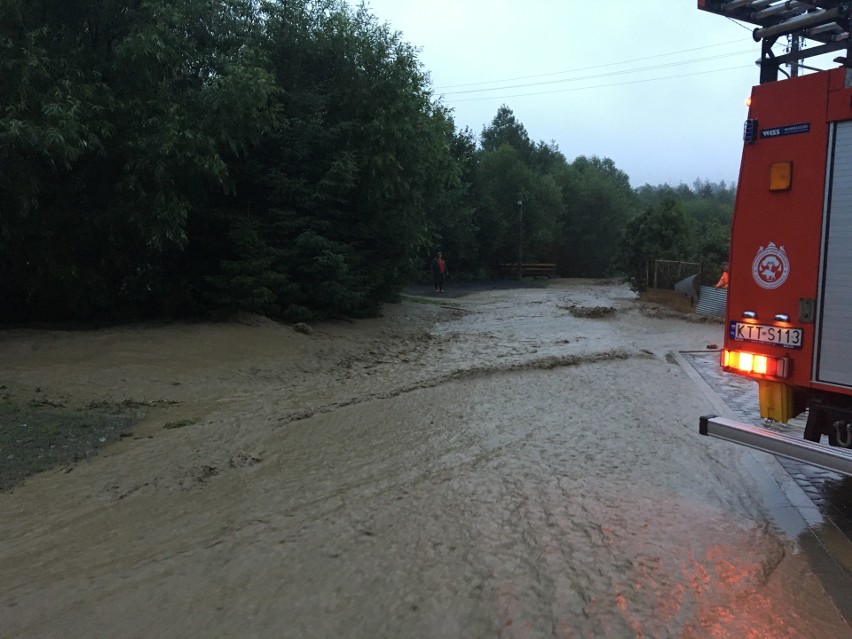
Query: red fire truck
(789, 308)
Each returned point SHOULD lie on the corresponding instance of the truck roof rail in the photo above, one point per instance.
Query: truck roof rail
(826, 22)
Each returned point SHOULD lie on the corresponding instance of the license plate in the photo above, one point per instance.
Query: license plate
(779, 335)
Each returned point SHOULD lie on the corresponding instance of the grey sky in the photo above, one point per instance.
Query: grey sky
(677, 129)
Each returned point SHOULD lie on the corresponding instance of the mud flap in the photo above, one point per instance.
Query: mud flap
(776, 401)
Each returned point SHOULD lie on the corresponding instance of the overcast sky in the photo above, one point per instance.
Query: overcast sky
(586, 75)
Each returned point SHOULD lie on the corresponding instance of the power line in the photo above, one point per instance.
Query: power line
(597, 86)
(597, 66)
(602, 75)
(739, 24)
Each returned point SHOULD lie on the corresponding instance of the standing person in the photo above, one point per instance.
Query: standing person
(439, 270)
(723, 281)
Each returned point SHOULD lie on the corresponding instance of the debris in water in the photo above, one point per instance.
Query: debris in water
(589, 311)
(301, 327)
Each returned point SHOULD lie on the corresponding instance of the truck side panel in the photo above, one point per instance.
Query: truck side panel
(834, 347)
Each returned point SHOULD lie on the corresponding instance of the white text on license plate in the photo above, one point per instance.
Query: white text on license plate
(788, 337)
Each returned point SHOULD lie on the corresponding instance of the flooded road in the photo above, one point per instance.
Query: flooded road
(518, 463)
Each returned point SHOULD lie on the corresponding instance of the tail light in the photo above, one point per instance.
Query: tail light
(754, 364)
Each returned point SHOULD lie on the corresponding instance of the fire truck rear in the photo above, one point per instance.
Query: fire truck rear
(789, 309)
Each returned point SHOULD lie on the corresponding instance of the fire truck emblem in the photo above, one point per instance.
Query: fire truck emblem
(770, 268)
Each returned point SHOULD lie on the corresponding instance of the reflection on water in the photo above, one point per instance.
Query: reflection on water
(833, 494)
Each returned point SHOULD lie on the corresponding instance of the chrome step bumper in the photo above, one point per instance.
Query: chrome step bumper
(831, 458)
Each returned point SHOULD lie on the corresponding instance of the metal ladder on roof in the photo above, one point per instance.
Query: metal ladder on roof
(825, 22)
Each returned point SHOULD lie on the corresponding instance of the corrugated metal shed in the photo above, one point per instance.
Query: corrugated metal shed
(712, 301)
(689, 286)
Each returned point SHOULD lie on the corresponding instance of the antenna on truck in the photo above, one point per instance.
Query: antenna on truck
(827, 22)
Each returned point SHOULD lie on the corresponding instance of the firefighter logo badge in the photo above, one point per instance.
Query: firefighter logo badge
(770, 268)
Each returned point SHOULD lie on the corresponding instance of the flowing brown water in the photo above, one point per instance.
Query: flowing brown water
(517, 469)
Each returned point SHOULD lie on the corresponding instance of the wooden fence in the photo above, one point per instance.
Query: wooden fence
(528, 269)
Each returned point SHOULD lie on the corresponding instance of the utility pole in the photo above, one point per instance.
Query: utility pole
(520, 235)
(794, 45)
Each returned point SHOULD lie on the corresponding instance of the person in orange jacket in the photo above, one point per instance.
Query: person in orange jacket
(723, 281)
(439, 270)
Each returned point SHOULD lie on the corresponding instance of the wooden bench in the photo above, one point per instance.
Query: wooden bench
(528, 269)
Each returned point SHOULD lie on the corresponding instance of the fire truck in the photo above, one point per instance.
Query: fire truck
(789, 306)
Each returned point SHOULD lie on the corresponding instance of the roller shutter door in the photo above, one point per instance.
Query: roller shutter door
(834, 349)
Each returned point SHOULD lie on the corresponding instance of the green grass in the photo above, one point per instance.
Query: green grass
(37, 437)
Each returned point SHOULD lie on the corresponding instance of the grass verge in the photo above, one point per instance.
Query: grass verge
(34, 437)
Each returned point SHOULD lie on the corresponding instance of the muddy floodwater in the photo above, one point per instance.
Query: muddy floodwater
(510, 463)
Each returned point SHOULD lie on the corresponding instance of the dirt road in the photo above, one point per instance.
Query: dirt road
(512, 463)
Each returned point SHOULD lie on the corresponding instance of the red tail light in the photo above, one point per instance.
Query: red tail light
(754, 364)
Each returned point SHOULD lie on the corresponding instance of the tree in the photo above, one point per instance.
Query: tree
(191, 156)
(663, 231)
(505, 129)
(119, 115)
(598, 202)
(500, 180)
(452, 223)
(710, 208)
(346, 188)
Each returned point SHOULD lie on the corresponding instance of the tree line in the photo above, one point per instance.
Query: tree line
(180, 158)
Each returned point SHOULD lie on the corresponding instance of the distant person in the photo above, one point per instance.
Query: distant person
(439, 271)
(723, 281)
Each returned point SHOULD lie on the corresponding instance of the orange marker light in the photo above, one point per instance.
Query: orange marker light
(780, 176)
(748, 101)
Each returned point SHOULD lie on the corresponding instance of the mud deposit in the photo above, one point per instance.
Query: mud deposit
(497, 467)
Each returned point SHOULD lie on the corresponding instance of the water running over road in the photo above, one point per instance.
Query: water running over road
(523, 470)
